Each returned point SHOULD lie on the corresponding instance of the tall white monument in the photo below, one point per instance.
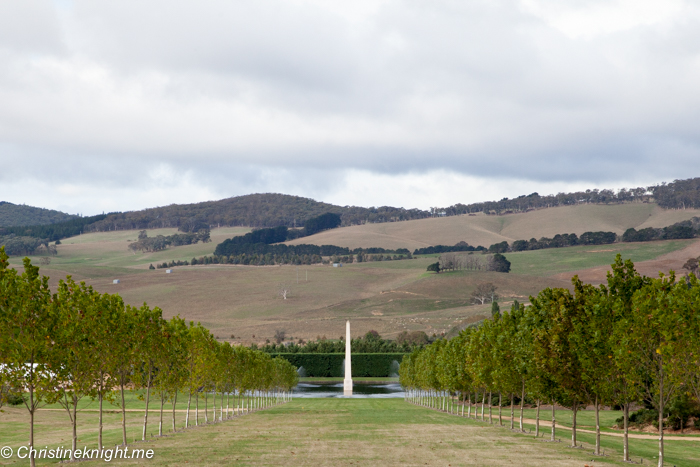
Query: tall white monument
(347, 384)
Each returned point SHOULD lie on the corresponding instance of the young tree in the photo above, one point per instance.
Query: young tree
(26, 327)
(654, 338)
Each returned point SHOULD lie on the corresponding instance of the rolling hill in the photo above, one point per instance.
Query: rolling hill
(13, 215)
(485, 230)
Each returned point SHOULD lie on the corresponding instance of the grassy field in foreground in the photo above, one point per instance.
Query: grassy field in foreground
(346, 432)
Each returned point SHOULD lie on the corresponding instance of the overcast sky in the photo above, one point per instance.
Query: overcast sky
(122, 105)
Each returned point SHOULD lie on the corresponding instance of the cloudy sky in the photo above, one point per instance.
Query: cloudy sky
(121, 105)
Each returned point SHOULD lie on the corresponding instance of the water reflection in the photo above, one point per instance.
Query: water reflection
(359, 390)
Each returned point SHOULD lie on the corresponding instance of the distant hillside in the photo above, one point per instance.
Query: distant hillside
(257, 210)
(481, 229)
(12, 215)
(679, 194)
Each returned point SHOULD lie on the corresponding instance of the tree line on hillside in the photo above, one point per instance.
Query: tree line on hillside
(77, 343)
(453, 262)
(13, 215)
(680, 230)
(372, 342)
(460, 246)
(161, 242)
(680, 194)
(633, 340)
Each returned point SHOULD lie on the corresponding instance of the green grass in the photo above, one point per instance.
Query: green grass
(557, 260)
(340, 432)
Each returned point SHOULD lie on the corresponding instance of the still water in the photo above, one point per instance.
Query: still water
(359, 390)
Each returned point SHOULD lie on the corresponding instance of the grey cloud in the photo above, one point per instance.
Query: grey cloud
(271, 95)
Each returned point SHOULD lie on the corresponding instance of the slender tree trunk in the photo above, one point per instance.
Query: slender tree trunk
(145, 415)
(573, 426)
(661, 415)
(221, 408)
(537, 420)
(597, 427)
(123, 411)
(625, 437)
(99, 428)
(32, 460)
(214, 403)
(196, 410)
(490, 409)
(512, 411)
(206, 406)
(74, 420)
(500, 408)
(174, 404)
(483, 402)
(160, 423)
(187, 415)
(522, 404)
(554, 423)
(469, 409)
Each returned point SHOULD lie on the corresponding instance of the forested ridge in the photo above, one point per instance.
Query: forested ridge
(12, 215)
(262, 210)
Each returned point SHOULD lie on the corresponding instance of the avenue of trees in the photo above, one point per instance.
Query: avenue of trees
(75, 343)
(634, 340)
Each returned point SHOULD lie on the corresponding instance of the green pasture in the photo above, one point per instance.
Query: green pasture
(341, 432)
(557, 260)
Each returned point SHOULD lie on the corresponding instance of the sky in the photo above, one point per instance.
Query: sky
(123, 105)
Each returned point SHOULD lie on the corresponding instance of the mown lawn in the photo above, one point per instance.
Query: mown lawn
(343, 432)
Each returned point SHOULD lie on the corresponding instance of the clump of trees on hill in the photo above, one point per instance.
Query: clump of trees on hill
(77, 343)
(455, 262)
(161, 242)
(632, 340)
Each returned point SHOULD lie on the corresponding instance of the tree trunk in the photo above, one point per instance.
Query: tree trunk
(500, 408)
(187, 415)
(490, 408)
(206, 406)
(145, 415)
(196, 410)
(554, 423)
(221, 408)
(625, 437)
(469, 409)
(32, 460)
(74, 420)
(464, 398)
(597, 427)
(174, 404)
(160, 423)
(522, 403)
(661, 415)
(573, 425)
(123, 411)
(99, 428)
(512, 411)
(537, 420)
(483, 402)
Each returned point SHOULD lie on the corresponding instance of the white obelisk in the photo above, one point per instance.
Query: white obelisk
(347, 384)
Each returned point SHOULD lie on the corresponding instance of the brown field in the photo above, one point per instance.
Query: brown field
(487, 230)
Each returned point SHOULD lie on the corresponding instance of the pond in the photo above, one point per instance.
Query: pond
(359, 390)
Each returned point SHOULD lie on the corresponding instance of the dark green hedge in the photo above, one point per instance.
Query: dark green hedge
(375, 365)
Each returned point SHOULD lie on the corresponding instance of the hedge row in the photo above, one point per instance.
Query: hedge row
(331, 364)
